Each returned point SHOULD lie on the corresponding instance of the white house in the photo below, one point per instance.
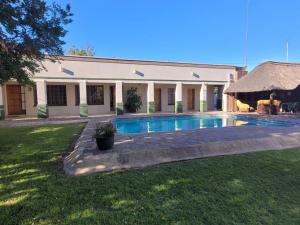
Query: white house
(82, 86)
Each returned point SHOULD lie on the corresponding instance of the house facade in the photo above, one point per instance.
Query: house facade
(83, 86)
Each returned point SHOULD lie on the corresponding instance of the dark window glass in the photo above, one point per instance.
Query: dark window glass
(95, 94)
(171, 96)
(77, 96)
(56, 95)
(34, 96)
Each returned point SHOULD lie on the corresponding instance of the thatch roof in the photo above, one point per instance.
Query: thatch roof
(268, 76)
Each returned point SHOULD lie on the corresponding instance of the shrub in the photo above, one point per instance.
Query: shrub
(133, 101)
(105, 130)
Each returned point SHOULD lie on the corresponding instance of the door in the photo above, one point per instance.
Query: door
(157, 99)
(14, 99)
(191, 99)
(112, 98)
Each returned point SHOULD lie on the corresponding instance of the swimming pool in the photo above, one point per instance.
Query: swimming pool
(188, 122)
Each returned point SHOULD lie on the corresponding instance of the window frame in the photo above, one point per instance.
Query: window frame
(35, 101)
(92, 100)
(60, 94)
(77, 95)
(172, 97)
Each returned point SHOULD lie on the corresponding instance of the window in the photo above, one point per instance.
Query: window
(171, 96)
(34, 96)
(95, 94)
(56, 95)
(77, 96)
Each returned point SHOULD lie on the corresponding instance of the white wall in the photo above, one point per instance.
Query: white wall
(164, 97)
(70, 109)
(123, 70)
(107, 71)
(210, 97)
(185, 88)
(29, 98)
(101, 109)
(141, 91)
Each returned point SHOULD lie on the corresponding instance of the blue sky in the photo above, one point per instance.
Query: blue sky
(202, 31)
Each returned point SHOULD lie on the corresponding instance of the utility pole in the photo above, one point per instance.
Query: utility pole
(287, 51)
(246, 34)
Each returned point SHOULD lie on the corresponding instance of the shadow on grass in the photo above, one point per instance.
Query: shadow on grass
(260, 188)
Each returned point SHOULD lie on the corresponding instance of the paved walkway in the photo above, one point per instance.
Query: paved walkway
(141, 150)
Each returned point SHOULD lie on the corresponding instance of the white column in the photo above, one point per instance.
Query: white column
(203, 98)
(41, 89)
(225, 98)
(224, 122)
(1, 96)
(119, 98)
(178, 98)
(150, 98)
(2, 111)
(42, 107)
(82, 92)
(83, 99)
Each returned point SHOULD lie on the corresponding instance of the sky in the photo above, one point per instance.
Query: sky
(199, 31)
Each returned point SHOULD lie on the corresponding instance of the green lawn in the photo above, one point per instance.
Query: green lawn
(260, 188)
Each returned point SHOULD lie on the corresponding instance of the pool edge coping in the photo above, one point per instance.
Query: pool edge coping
(76, 163)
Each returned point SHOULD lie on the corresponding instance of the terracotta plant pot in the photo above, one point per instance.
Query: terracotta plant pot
(105, 143)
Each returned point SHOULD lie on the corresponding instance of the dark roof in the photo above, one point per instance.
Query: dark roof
(268, 76)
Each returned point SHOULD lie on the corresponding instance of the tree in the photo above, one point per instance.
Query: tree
(29, 31)
(89, 51)
(133, 101)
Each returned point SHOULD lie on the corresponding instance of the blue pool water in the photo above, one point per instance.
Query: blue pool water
(187, 122)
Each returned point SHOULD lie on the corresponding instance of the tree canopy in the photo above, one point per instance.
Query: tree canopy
(89, 51)
(29, 30)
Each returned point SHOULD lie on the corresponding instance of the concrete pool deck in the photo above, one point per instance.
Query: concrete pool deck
(140, 150)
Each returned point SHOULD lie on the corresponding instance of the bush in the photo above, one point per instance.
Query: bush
(133, 101)
(105, 130)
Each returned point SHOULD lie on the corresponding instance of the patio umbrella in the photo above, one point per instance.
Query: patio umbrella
(268, 76)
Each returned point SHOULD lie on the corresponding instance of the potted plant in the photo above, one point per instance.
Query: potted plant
(105, 135)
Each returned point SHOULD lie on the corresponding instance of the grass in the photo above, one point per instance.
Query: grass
(259, 188)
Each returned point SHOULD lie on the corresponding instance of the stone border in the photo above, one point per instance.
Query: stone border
(132, 152)
(83, 142)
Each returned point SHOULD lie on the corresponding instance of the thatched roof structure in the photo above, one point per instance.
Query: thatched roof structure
(268, 76)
